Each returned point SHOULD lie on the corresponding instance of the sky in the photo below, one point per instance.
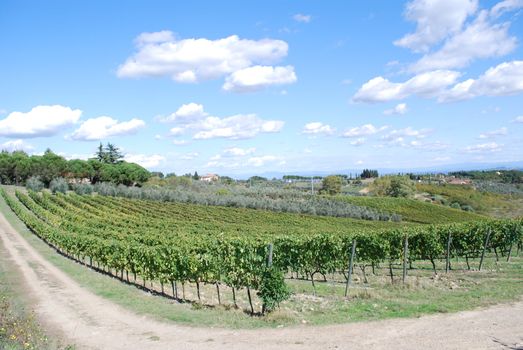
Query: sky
(236, 87)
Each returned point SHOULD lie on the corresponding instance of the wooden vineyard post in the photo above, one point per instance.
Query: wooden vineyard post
(405, 257)
(269, 258)
(447, 263)
(484, 249)
(269, 265)
(509, 252)
(351, 265)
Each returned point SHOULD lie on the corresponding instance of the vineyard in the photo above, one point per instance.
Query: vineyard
(241, 249)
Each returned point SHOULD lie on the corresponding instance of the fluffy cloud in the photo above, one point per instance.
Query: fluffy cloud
(398, 135)
(263, 160)
(502, 80)
(16, 145)
(481, 39)
(39, 122)
(189, 156)
(302, 18)
(518, 119)
(147, 161)
(358, 142)
(429, 84)
(104, 127)
(192, 118)
(489, 147)
(492, 134)
(505, 6)
(238, 152)
(317, 128)
(160, 54)
(187, 113)
(435, 21)
(426, 146)
(258, 77)
(364, 130)
(400, 108)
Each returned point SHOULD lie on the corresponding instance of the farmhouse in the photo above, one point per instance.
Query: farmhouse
(209, 177)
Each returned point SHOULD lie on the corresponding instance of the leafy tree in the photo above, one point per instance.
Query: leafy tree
(331, 185)
(196, 176)
(113, 154)
(392, 186)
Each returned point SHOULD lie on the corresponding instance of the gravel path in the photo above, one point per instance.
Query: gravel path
(91, 322)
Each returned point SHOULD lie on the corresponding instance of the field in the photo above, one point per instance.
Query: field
(216, 256)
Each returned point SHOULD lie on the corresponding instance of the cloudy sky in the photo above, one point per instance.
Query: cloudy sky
(234, 88)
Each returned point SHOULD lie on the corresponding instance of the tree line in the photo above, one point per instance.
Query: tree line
(107, 165)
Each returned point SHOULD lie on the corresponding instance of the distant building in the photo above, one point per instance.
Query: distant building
(209, 177)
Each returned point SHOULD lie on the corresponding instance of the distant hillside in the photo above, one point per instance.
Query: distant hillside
(414, 210)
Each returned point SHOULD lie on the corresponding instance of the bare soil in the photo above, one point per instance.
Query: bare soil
(91, 322)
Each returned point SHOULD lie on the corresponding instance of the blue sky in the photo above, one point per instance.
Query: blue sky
(234, 87)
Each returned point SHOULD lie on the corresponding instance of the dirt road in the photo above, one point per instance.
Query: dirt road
(91, 322)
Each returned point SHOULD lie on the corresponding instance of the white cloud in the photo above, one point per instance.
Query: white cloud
(238, 152)
(426, 146)
(180, 142)
(480, 39)
(492, 134)
(358, 142)
(364, 130)
(400, 108)
(176, 131)
(154, 37)
(429, 84)
(317, 128)
(193, 118)
(398, 135)
(16, 145)
(258, 77)
(518, 119)
(240, 126)
(189, 156)
(489, 147)
(147, 161)
(441, 159)
(187, 113)
(160, 54)
(263, 160)
(302, 18)
(503, 80)
(40, 121)
(104, 127)
(505, 6)
(435, 20)
(359, 162)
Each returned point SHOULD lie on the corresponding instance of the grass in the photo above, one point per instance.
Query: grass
(412, 210)
(423, 294)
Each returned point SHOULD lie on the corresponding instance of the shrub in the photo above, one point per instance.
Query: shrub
(455, 205)
(393, 186)
(83, 189)
(58, 185)
(273, 289)
(34, 183)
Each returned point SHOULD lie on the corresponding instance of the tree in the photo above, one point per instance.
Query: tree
(392, 186)
(368, 174)
(113, 154)
(196, 176)
(331, 185)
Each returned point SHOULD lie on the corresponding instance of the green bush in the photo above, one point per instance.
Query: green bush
(273, 289)
(34, 184)
(59, 185)
(83, 189)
